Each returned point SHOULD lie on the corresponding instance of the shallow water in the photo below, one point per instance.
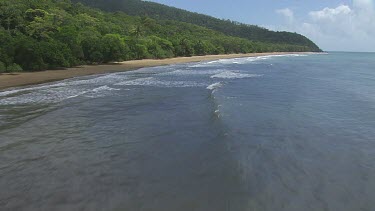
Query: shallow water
(293, 132)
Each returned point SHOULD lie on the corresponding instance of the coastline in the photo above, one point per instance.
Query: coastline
(12, 80)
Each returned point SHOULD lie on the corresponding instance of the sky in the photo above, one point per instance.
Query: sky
(334, 25)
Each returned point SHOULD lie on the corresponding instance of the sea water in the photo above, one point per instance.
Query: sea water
(292, 132)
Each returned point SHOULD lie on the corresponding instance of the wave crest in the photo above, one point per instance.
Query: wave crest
(233, 75)
(215, 86)
(150, 81)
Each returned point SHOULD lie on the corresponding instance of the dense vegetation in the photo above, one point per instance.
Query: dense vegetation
(47, 34)
(230, 28)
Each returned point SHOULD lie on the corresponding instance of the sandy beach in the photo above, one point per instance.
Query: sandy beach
(8, 80)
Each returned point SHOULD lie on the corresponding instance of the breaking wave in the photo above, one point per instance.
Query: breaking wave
(151, 81)
(234, 75)
(243, 60)
(215, 86)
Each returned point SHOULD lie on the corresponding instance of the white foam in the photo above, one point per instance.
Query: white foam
(15, 91)
(217, 113)
(72, 96)
(297, 55)
(104, 88)
(150, 81)
(5, 93)
(243, 60)
(214, 63)
(233, 75)
(218, 62)
(106, 79)
(52, 95)
(139, 81)
(44, 96)
(215, 86)
(100, 91)
(192, 72)
(57, 92)
(103, 80)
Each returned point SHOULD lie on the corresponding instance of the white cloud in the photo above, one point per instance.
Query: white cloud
(364, 4)
(345, 27)
(328, 14)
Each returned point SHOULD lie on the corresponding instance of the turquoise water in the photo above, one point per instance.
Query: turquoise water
(292, 132)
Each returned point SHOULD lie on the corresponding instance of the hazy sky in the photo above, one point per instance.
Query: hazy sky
(342, 25)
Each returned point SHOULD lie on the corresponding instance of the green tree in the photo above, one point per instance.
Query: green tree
(184, 47)
(201, 48)
(92, 49)
(71, 37)
(27, 54)
(137, 31)
(11, 14)
(140, 51)
(7, 49)
(41, 28)
(114, 48)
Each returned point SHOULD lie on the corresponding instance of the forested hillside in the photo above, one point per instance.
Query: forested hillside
(230, 28)
(48, 34)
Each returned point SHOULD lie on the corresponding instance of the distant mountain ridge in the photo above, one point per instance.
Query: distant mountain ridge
(227, 27)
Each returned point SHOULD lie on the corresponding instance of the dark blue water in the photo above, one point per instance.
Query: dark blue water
(289, 133)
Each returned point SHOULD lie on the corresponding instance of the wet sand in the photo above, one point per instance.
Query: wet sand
(8, 80)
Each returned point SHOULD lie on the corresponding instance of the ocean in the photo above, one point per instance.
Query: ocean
(287, 133)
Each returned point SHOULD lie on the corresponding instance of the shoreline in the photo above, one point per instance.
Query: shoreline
(18, 79)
